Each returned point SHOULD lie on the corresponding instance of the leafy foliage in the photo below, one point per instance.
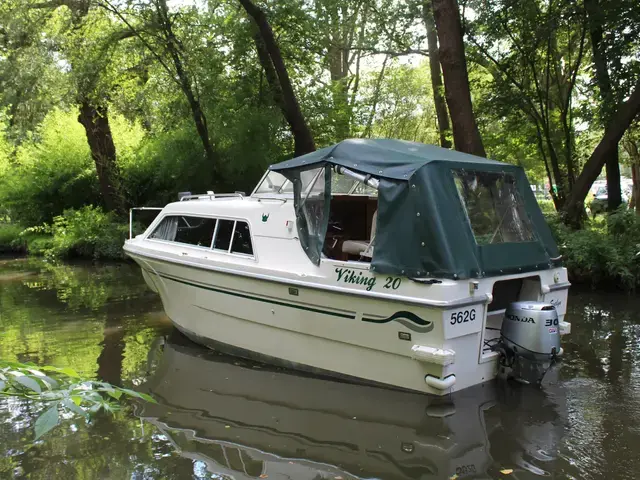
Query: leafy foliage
(88, 232)
(50, 172)
(607, 252)
(62, 392)
(10, 239)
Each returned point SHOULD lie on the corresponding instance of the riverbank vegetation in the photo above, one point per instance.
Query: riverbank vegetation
(604, 254)
(108, 104)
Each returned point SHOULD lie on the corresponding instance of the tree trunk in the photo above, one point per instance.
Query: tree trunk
(303, 140)
(436, 77)
(626, 113)
(594, 12)
(466, 135)
(269, 72)
(275, 88)
(632, 149)
(185, 83)
(95, 121)
(614, 189)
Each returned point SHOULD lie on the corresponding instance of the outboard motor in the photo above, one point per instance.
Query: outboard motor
(529, 341)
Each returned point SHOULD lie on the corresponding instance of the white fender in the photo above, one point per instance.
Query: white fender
(440, 383)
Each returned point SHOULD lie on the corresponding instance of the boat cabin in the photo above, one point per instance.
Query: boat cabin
(414, 210)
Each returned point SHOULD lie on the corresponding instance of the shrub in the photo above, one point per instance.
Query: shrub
(547, 206)
(605, 252)
(10, 239)
(49, 173)
(163, 165)
(53, 171)
(88, 232)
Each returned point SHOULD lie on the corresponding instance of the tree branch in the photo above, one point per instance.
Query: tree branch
(110, 8)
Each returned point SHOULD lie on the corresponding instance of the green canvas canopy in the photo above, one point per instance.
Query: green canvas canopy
(441, 213)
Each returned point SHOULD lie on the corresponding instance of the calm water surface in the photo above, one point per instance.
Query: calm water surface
(224, 418)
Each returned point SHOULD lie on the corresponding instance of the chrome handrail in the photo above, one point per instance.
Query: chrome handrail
(211, 196)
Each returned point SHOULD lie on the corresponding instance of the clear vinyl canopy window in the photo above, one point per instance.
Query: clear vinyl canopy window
(276, 183)
(493, 206)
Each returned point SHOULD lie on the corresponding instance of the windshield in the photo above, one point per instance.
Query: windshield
(601, 192)
(276, 183)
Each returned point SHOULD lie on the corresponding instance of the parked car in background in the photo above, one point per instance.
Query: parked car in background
(597, 185)
(601, 199)
(599, 202)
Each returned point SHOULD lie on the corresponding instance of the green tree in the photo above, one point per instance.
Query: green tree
(534, 53)
(83, 39)
(404, 104)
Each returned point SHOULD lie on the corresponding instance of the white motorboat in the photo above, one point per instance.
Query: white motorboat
(386, 261)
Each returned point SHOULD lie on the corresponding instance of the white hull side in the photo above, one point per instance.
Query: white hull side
(317, 329)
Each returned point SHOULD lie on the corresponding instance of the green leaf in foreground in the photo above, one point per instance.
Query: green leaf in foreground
(140, 395)
(65, 394)
(115, 394)
(69, 372)
(47, 421)
(72, 406)
(29, 382)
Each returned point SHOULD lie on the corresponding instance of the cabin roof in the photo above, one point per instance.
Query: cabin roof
(388, 158)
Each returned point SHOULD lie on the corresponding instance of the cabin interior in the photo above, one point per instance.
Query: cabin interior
(353, 211)
(352, 226)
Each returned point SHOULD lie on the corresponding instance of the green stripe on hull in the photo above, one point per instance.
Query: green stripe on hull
(251, 297)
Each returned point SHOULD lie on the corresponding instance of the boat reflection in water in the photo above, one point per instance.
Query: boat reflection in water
(245, 420)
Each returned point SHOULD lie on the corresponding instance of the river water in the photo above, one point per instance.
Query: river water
(225, 418)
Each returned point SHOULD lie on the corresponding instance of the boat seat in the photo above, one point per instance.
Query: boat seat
(362, 248)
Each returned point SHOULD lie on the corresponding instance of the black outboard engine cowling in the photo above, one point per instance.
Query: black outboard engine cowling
(529, 341)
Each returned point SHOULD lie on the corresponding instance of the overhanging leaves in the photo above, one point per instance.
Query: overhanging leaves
(47, 421)
(29, 383)
(64, 394)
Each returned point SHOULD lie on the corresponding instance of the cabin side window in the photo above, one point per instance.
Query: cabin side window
(222, 238)
(494, 207)
(242, 239)
(196, 231)
(226, 235)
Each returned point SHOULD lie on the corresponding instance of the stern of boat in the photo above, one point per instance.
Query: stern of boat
(466, 352)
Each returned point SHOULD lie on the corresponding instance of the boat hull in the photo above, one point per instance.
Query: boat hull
(344, 335)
